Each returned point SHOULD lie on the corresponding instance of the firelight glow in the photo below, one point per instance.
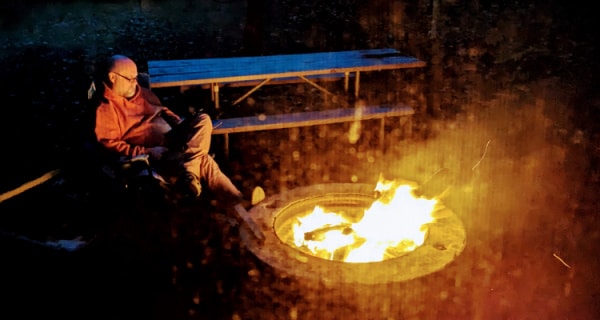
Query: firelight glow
(395, 223)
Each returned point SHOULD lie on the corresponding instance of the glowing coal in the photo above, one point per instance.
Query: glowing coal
(395, 223)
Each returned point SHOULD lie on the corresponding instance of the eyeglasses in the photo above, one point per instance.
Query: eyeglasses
(132, 80)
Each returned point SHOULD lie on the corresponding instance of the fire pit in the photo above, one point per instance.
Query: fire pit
(342, 209)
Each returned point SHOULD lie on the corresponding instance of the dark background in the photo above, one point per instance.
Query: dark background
(508, 103)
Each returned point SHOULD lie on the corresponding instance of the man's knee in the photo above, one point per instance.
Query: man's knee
(204, 121)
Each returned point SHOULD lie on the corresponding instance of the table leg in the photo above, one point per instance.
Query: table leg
(314, 84)
(382, 133)
(250, 91)
(215, 94)
(357, 84)
(226, 145)
(346, 80)
(406, 125)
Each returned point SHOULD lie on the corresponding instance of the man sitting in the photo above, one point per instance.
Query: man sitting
(131, 121)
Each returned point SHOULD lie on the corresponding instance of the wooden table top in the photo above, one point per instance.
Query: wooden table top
(171, 73)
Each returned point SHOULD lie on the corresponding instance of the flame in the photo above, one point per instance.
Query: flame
(395, 223)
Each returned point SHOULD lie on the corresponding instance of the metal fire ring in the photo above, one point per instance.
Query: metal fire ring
(446, 239)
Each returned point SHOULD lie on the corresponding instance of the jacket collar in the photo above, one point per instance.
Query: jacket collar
(111, 95)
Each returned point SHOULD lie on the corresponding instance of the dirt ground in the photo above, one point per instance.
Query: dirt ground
(508, 106)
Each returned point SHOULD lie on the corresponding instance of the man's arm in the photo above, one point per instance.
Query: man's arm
(109, 134)
(171, 117)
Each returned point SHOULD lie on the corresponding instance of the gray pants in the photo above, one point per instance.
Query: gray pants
(191, 140)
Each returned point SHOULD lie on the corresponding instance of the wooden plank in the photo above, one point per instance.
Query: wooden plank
(279, 81)
(220, 61)
(28, 185)
(244, 217)
(300, 119)
(168, 73)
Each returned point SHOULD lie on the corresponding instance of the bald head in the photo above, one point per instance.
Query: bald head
(122, 74)
(119, 63)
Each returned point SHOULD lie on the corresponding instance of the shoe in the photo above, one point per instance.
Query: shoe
(258, 195)
(192, 185)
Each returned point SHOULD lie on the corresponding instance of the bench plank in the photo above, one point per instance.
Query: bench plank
(300, 119)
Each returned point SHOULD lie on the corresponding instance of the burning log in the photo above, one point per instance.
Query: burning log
(320, 234)
(396, 219)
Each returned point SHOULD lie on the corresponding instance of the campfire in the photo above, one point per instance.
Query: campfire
(355, 233)
(395, 223)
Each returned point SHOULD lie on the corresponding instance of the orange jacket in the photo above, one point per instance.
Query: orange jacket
(129, 126)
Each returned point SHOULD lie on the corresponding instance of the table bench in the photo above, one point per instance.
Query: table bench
(258, 71)
(311, 118)
(311, 68)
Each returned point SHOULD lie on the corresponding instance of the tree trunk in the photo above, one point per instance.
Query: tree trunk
(253, 31)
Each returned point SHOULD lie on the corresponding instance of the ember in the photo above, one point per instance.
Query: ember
(395, 223)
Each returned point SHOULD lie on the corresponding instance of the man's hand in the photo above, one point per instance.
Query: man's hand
(156, 153)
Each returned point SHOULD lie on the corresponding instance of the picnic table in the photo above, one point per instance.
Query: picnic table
(257, 71)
